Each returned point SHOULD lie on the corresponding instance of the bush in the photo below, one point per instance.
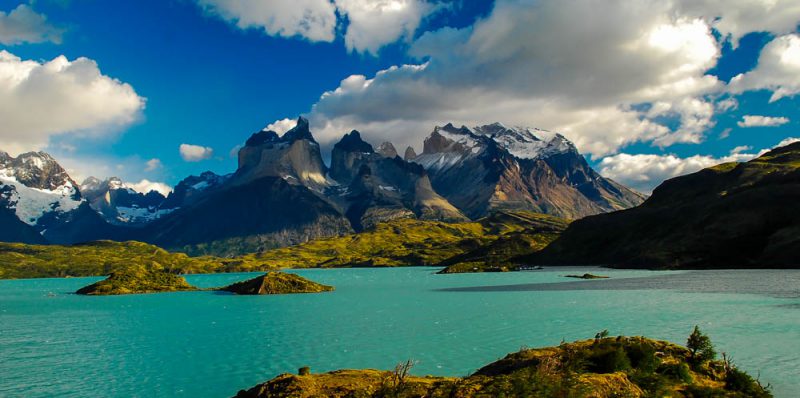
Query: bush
(736, 380)
(609, 360)
(677, 371)
(642, 356)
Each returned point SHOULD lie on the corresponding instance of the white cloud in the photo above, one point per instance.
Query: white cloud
(281, 126)
(761, 121)
(645, 172)
(580, 68)
(195, 153)
(145, 186)
(728, 104)
(375, 23)
(735, 18)
(314, 20)
(778, 69)
(153, 165)
(41, 100)
(24, 25)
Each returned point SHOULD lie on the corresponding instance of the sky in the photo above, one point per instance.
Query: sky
(152, 91)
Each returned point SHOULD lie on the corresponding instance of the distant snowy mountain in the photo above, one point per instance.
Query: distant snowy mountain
(496, 167)
(34, 184)
(121, 205)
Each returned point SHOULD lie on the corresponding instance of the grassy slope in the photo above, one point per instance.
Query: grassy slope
(610, 367)
(401, 243)
(728, 216)
(502, 253)
(105, 257)
(135, 280)
(276, 283)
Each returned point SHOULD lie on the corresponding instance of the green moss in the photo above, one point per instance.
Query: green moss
(137, 279)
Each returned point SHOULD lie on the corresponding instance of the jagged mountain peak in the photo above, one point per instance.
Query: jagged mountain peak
(262, 137)
(352, 142)
(300, 131)
(410, 154)
(387, 149)
(36, 170)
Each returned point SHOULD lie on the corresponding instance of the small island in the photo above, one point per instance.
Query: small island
(276, 283)
(137, 280)
(600, 367)
(587, 276)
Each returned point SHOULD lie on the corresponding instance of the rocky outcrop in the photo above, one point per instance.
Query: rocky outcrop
(386, 149)
(276, 283)
(410, 154)
(295, 157)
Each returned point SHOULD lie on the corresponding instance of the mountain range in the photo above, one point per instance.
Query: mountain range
(282, 193)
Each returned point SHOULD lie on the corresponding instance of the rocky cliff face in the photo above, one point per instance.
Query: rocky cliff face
(379, 187)
(495, 167)
(295, 157)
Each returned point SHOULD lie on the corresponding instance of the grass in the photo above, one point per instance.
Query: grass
(404, 242)
(106, 257)
(602, 367)
(276, 283)
(136, 280)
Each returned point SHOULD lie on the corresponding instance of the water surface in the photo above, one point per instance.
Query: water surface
(206, 344)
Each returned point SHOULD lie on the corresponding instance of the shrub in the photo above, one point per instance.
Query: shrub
(736, 380)
(609, 360)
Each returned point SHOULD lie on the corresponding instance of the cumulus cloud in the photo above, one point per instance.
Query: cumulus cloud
(581, 68)
(778, 69)
(374, 23)
(314, 20)
(145, 186)
(195, 153)
(42, 100)
(644, 172)
(761, 121)
(368, 25)
(735, 18)
(153, 165)
(24, 25)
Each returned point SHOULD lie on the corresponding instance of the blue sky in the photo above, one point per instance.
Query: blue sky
(210, 73)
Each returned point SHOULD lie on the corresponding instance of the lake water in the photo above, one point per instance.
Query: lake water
(206, 344)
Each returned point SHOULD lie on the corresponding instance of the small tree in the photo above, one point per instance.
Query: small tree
(700, 347)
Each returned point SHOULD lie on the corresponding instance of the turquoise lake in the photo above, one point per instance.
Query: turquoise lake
(207, 344)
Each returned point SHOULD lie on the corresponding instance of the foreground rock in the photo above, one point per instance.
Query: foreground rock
(603, 367)
(137, 280)
(276, 283)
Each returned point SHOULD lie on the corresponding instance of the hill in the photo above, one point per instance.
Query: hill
(599, 368)
(734, 215)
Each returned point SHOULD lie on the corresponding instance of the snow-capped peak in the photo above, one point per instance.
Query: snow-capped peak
(524, 142)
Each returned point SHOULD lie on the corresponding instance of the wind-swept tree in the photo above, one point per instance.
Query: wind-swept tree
(700, 347)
